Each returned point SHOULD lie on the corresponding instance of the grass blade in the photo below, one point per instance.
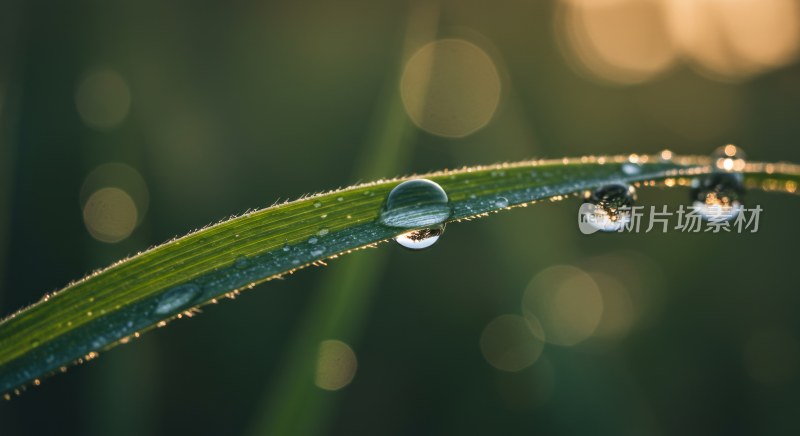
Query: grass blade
(166, 282)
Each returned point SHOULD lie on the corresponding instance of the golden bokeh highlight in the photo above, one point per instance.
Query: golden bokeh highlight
(336, 365)
(450, 87)
(619, 41)
(103, 99)
(117, 175)
(736, 39)
(619, 312)
(772, 356)
(110, 214)
(566, 301)
(512, 343)
(633, 41)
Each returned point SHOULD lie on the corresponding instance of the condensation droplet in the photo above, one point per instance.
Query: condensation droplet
(717, 197)
(415, 203)
(177, 298)
(631, 169)
(608, 208)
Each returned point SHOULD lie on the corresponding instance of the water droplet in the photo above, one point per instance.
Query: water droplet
(420, 239)
(286, 247)
(415, 203)
(317, 204)
(339, 198)
(631, 168)
(608, 208)
(241, 262)
(324, 215)
(718, 196)
(312, 240)
(322, 232)
(34, 343)
(177, 298)
(501, 202)
(728, 158)
(317, 252)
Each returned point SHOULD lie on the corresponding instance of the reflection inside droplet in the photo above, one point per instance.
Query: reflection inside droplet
(717, 197)
(608, 208)
(420, 239)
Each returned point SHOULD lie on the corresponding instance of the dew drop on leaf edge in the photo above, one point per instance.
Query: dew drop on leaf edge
(718, 196)
(415, 203)
(612, 205)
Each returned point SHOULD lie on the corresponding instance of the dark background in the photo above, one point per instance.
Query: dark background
(226, 106)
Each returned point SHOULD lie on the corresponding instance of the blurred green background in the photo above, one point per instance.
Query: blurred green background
(126, 123)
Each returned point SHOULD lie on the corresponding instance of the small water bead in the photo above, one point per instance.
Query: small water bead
(631, 169)
(728, 158)
(415, 203)
(610, 206)
(322, 232)
(177, 298)
(718, 196)
(312, 240)
(420, 239)
(501, 202)
(241, 262)
(317, 204)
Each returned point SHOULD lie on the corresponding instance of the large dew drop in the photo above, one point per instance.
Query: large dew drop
(417, 204)
(608, 208)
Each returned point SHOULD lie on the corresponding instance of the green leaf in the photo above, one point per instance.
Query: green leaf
(169, 281)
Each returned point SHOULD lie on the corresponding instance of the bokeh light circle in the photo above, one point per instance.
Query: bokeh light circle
(566, 301)
(336, 365)
(450, 87)
(110, 215)
(103, 99)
